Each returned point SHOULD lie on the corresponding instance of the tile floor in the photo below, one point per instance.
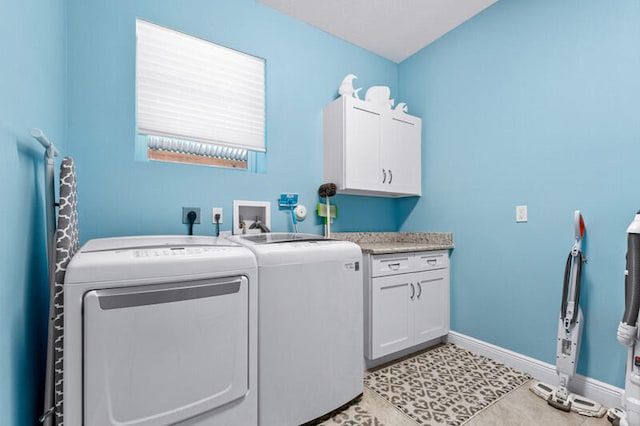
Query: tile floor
(520, 406)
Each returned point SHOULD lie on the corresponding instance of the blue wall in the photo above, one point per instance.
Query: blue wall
(32, 94)
(534, 103)
(118, 195)
(531, 103)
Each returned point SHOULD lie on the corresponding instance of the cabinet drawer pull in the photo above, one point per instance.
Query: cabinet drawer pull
(420, 289)
(432, 261)
(387, 287)
(384, 175)
(390, 176)
(413, 291)
(394, 266)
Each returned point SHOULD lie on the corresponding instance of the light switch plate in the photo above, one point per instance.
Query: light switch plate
(521, 214)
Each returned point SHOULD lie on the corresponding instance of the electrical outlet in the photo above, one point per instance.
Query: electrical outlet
(185, 212)
(521, 214)
(214, 212)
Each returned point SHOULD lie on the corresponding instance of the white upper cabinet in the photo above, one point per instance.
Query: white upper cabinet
(371, 150)
(362, 163)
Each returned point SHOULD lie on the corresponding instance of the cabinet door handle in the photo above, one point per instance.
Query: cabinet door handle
(413, 291)
(419, 289)
(390, 176)
(384, 175)
(394, 266)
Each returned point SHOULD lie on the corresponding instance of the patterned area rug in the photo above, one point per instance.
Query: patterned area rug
(356, 415)
(446, 385)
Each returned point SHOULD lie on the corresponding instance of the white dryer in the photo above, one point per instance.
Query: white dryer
(160, 330)
(310, 338)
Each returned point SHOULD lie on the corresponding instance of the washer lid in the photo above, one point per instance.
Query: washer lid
(294, 249)
(279, 237)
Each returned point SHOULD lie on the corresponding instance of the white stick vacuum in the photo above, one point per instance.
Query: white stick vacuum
(628, 332)
(569, 333)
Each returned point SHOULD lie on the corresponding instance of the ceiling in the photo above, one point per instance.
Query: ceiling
(394, 29)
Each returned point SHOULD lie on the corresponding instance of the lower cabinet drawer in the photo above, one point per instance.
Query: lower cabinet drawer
(391, 264)
(425, 261)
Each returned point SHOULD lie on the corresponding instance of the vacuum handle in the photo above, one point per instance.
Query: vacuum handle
(632, 280)
(571, 288)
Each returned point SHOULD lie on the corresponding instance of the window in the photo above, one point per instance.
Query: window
(197, 102)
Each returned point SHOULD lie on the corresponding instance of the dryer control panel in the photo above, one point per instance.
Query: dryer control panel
(176, 251)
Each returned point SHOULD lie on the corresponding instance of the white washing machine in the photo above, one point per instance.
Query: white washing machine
(160, 330)
(310, 338)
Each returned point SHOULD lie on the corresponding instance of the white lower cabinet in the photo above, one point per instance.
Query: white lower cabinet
(391, 322)
(406, 300)
(431, 306)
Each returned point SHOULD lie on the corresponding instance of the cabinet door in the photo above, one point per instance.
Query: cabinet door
(431, 304)
(400, 155)
(362, 150)
(391, 318)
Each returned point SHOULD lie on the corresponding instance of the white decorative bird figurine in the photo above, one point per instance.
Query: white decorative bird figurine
(346, 87)
(402, 107)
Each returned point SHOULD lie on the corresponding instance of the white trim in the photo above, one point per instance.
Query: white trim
(246, 210)
(604, 393)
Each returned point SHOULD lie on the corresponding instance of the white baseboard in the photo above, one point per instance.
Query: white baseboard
(604, 393)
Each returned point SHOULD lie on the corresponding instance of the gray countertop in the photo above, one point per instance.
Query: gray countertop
(397, 242)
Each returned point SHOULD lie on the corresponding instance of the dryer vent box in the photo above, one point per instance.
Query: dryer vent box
(246, 213)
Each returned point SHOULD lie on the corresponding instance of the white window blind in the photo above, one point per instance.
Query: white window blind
(195, 90)
(196, 148)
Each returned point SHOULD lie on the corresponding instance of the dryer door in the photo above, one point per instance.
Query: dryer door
(158, 354)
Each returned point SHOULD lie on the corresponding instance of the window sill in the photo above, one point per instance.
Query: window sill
(176, 157)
